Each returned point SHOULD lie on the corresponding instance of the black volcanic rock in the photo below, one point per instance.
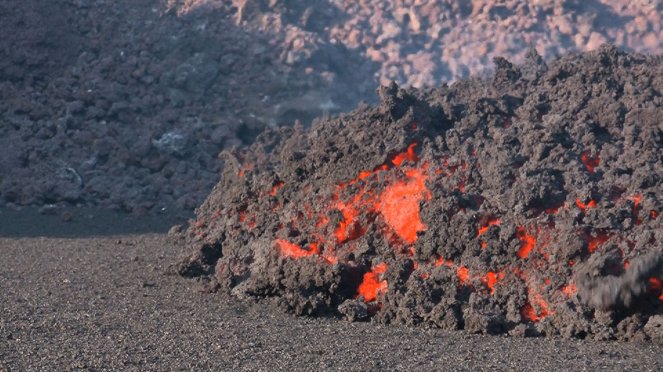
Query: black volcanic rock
(525, 203)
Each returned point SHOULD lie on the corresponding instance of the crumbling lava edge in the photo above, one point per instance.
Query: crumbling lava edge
(526, 204)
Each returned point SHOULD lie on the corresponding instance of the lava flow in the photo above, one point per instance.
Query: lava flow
(481, 216)
(371, 285)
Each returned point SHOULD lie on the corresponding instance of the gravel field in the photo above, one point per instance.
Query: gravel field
(104, 303)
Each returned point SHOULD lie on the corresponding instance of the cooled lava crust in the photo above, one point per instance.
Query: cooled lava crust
(525, 203)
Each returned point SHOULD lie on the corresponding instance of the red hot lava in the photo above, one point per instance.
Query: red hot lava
(371, 285)
(535, 260)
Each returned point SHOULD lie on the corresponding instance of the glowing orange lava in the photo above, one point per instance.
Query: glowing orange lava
(569, 289)
(589, 205)
(589, 161)
(594, 242)
(527, 242)
(407, 155)
(463, 275)
(554, 209)
(492, 221)
(276, 188)
(529, 313)
(441, 261)
(656, 287)
(491, 279)
(399, 205)
(348, 228)
(371, 284)
(636, 203)
(294, 251)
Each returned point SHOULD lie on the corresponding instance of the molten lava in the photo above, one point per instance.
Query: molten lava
(491, 279)
(492, 221)
(441, 261)
(276, 188)
(655, 286)
(529, 313)
(399, 205)
(409, 155)
(569, 289)
(589, 161)
(636, 203)
(348, 228)
(472, 224)
(527, 242)
(371, 285)
(583, 206)
(289, 249)
(463, 275)
(594, 242)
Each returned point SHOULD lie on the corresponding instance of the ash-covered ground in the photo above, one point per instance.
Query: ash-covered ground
(526, 203)
(126, 104)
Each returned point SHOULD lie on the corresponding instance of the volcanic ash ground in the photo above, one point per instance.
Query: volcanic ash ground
(526, 203)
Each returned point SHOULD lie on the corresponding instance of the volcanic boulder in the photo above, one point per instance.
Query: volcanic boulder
(526, 203)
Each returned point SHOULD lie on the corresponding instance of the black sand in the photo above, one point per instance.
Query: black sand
(104, 303)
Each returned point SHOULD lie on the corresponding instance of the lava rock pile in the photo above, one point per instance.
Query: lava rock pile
(526, 203)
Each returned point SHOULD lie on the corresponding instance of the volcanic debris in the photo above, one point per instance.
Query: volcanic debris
(523, 203)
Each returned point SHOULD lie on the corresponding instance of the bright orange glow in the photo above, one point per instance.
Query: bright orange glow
(491, 279)
(594, 242)
(294, 251)
(543, 308)
(441, 261)
(569, 289)
(348, 228)
(589, 161)
(330, 259)
(527, 242)
(371, 286)
(492, 221)
(322, 221)
(656, 287)
(409, 155)
(276, 188)
(554, 209)
(364, 175)
(463, 275)
(399, 205)
(590, 204)
(528, 313)
(399, 202)
(636, 203)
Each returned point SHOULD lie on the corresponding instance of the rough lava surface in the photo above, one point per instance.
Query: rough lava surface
(125, 104)
(525, 203)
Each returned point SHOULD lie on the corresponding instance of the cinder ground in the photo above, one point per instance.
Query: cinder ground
(104, 302)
